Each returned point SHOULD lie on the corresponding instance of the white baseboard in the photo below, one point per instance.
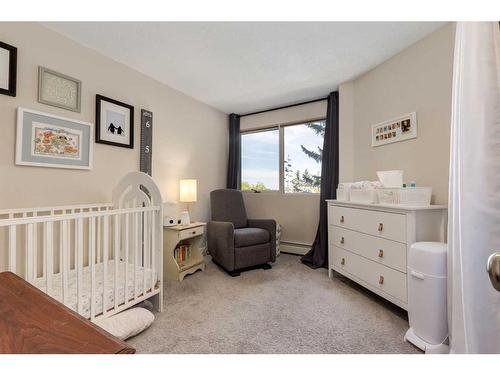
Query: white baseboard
(294, 248)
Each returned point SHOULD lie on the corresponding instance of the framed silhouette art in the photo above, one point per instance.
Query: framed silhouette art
(114, 122)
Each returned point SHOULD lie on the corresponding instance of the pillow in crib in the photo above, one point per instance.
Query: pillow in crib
(128, 323)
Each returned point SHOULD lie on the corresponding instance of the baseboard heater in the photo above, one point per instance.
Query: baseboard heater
(298, 248)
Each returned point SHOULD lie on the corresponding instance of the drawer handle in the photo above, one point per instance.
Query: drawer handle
(193, 232)
(380, 227)
(342, 262)
(381, 280)
(342, 240)
(381, 253)
(342, 219)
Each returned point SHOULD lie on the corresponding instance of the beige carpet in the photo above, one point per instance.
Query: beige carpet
(289, 309)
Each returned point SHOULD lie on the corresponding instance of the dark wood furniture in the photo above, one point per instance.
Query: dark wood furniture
(31, 322)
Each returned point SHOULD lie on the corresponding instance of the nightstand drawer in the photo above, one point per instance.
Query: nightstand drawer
(191, 232)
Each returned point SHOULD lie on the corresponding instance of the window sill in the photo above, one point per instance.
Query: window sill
(274, 192)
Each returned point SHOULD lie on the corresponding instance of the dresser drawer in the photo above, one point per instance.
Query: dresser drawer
(376, 275)
(376, 223)
(191, 232)
(386, 252)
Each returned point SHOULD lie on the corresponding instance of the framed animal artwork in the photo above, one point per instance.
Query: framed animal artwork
(46, 140)
(114, 122)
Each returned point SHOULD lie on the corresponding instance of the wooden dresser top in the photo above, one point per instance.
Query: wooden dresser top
(31, 322)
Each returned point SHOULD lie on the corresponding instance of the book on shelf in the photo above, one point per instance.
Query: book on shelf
(182, 253)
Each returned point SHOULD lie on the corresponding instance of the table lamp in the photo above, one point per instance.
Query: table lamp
(187, 194)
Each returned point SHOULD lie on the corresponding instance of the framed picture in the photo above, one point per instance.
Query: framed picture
(46, 140)
(398, 129)
(8, 69)
(59, 90)
(114, 122)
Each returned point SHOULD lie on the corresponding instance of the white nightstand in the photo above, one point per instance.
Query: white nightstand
(191, 234)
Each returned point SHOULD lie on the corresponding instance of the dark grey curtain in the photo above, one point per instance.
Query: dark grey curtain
(234, 163)
(318, 255)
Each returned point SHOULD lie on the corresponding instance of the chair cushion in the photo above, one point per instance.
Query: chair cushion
(227, 205)
(252, 255)
(250, 236)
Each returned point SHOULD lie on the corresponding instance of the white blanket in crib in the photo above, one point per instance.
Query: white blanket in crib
(71, 298)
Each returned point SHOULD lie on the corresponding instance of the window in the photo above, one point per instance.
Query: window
(302, 157)
(260, 168)
(296, 169)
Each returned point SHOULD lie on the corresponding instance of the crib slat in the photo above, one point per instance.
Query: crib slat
(12, 248)
(64, 260)
(105, 245)
(92, 265)
(49, 251)
(135, 247)
(153, 249)
(29, 252)
(127, 237)
(98, 239)
(35, 251)
(61, 242)
(79, 262)
(145, 250)
(116, 251)
(26, 276)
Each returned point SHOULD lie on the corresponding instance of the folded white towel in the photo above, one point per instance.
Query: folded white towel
(367, 185)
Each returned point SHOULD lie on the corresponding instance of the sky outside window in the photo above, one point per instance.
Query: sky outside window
(303, 148)
(260, 160)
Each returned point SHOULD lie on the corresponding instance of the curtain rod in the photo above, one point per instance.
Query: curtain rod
(285, 106)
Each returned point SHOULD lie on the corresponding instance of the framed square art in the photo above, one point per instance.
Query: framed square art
(46, 140)
(114, 122)
(59, 90)
(8, 69)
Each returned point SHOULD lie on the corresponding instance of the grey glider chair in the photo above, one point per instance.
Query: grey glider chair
(235, 242)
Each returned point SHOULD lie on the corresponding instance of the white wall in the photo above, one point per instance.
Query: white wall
(190, 138)
(311, 111)
(346, 132)
(417, 79)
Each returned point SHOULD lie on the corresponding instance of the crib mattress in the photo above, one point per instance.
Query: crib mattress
(71, 297)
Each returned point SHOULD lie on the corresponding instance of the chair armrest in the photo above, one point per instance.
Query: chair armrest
(270, 226)
(220, 239)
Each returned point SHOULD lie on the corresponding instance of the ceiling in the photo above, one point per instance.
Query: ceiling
(243, 67)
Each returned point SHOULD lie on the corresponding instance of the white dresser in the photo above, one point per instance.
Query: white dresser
(369, 243)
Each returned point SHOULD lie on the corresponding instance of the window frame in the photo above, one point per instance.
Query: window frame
(281, 153)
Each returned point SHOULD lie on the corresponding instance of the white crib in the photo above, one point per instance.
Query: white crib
(97, 259)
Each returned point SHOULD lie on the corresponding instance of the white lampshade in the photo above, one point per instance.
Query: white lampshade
(187, 191)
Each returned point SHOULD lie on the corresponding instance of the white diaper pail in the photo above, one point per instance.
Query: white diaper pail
(427, 305)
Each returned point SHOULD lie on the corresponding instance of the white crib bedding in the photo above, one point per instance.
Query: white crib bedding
(71, 298)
